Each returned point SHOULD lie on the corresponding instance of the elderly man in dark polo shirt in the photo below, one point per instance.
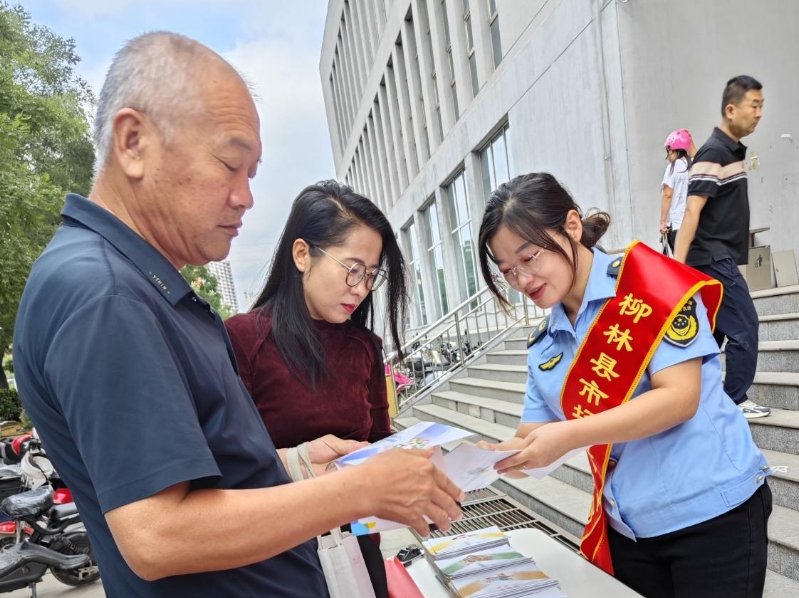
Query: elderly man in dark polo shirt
(714, 235)
(129, 375)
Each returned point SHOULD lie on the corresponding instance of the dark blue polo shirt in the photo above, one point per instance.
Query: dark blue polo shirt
(131, 382)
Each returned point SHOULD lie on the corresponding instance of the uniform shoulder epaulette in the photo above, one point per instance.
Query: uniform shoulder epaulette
(615, 267)
(538, 332)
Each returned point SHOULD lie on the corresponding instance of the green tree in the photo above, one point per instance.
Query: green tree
(206, 286)
(45, 148)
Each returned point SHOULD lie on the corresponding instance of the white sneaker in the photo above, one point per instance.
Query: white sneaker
(752, 410)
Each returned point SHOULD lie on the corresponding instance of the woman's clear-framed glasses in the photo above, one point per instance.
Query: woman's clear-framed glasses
(358, 272)
(528, 266)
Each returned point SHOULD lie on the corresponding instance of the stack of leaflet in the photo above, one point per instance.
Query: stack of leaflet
(482, 564)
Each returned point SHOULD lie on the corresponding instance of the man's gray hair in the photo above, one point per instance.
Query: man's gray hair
(157, 74)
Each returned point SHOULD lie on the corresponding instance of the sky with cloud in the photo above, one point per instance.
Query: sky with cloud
(275, 44)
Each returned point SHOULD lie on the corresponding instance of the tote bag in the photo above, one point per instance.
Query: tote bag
(343, 565)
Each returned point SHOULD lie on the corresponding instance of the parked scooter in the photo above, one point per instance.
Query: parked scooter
(40, 536)
(46, 537)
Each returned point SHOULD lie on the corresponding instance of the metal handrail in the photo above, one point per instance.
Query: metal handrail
(431, 355)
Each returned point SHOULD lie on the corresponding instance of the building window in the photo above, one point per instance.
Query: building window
(495, 161)
(493, 22)
(451, 59)
(460, 221)
(467, 22)
(415, 268)
(435, 255)
(497, 165)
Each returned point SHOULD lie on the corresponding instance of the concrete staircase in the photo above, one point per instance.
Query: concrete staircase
(487, 399)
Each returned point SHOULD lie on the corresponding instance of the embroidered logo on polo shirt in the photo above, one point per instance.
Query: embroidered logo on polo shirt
(548, 365)
(684, 327)
(159, 282)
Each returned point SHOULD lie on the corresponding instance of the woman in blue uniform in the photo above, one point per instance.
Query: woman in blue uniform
(626, 364)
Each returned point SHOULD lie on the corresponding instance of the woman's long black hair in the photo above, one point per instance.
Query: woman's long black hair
(531, 205)
(323, 215)
(681, 155)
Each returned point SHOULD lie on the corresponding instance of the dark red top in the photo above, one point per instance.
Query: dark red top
(350, 403)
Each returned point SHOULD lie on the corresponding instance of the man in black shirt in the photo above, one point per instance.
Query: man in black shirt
(714, 235)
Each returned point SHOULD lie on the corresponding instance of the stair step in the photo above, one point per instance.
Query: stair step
(499, 372)
(777, 432)
(779, 586)
(508, 357)
(778, 390)
(401, 423)
(784, 479)
(783, 300)
(516, 344)
(483, 430)
(553, 500)
(490, 410)
(490, 389)
(779, 327)
(783, 535)
(778, 356)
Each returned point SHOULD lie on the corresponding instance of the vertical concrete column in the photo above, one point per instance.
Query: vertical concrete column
(463, 80)
(355, 45)
(399, 136)
(451, 274)
(376, 140)
(351, 75)
(481, 32)
(370, 17)
(443, 81)
(362, 34)
(403, 85)
(418, 80)
(386, 146)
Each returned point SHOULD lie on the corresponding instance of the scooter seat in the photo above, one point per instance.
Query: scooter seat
(59, 512)
(28, 504)
(26, 553)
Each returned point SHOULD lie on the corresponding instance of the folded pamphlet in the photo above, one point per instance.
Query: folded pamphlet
(481, 561)
(520, 580)
(453, 546)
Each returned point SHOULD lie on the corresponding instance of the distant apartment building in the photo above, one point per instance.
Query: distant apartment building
(224, 276)
(433, 103)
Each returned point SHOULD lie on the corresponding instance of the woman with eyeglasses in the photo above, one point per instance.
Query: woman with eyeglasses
(626, 364)
(307, 351)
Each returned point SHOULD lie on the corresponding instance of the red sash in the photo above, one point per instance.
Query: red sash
(651, 291)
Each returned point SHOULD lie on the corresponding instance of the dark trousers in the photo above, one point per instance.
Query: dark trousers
(725, 557)
(373, 558)
(737, 322)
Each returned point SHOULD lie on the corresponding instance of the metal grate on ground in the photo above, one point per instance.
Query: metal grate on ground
(487, 507)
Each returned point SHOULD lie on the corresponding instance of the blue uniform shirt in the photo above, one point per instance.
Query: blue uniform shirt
(691, 473)
(131, 381)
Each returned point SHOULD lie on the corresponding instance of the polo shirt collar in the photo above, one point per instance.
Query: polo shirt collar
(729, 143)
(599, 288)
(155, 267)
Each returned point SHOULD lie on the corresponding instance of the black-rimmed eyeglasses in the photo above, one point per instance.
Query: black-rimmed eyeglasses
(358, 272)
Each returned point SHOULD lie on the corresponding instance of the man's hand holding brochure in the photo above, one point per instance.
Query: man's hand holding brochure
(468, 466)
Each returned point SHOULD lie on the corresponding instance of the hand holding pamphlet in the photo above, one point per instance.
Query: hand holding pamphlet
(469, 467)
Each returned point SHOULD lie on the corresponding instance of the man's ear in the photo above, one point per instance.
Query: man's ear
(132, 137)
(301, 252)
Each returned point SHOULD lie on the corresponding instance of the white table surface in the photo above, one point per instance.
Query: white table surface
(578, 578)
